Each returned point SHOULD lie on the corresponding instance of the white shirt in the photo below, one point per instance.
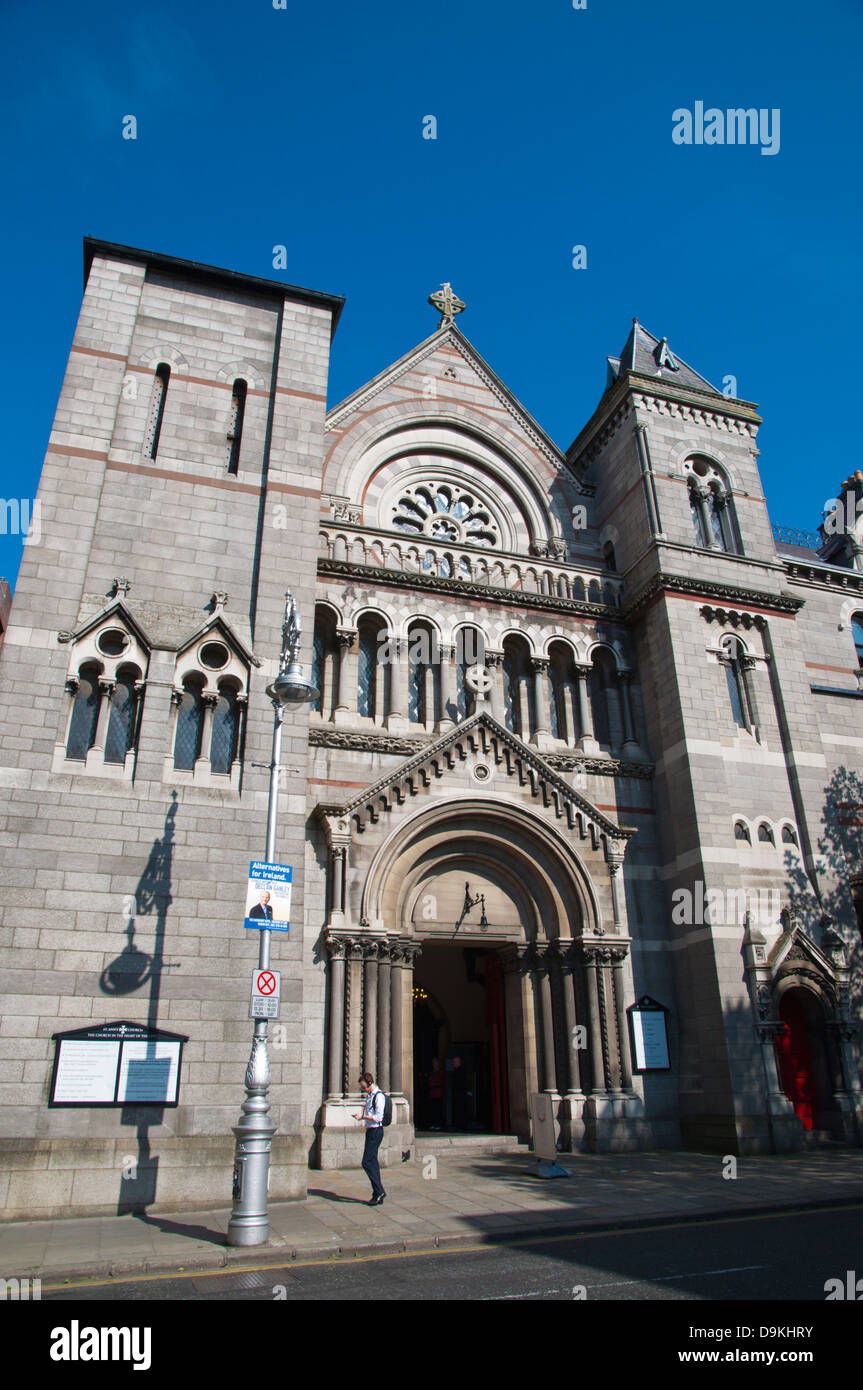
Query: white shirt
(374, 1113)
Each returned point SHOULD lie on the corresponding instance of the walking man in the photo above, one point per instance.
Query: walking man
(373, 1115)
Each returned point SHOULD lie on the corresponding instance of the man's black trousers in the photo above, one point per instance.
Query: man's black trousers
(371, 1166)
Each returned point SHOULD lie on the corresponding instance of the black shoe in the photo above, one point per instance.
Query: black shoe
(377, 1201)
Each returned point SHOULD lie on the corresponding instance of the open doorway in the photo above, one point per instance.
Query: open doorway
(459, 1024)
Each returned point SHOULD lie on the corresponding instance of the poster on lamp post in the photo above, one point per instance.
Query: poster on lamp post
(268, 896)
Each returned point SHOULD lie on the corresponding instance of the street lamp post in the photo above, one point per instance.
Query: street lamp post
(250, 1222)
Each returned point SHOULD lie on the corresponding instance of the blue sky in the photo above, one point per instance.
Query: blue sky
(303, 126)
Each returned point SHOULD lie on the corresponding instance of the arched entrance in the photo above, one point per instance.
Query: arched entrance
(806, 1066)
(459, 1013)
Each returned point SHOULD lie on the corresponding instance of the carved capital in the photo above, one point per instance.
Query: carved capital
(539, 663)
(345, 637)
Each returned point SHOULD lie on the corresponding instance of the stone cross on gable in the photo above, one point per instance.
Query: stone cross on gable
(446, 303)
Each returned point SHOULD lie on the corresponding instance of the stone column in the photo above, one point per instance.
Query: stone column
(336, 1045)
(624, 683)
(343, 701)
(542, 733)
(447, 694)
(614, 858)
(549, 1069)
(96, 753)
(370, 1006)
(702, 498)
(397, 718)
(587, 739)
(353, 1017)
(618, 956)
(338, 855)
(494, 666)
(384, 1014)
(597, 1050)
(568, 967)
(209, 700)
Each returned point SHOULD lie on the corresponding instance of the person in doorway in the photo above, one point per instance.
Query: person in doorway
(373, 1116)
(437, 1089)
(459, 1094)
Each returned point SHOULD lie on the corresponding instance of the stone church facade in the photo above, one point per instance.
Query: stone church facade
(587, 736)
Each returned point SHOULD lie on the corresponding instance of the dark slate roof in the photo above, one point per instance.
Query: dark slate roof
(649, 356)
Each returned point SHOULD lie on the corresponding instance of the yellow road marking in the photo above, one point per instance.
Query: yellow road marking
(436, 1250)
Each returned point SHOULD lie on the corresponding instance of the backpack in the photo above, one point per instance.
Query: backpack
(388, 1110)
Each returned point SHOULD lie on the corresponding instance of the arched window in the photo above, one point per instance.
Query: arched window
(732, 660)
(857, 630)
(608, 552)
(85, 711)
(607, 723)
(789, 836)
(121, 721)
(324, 658)
(156, 414)
(423, 668)
(187, 737)
(741, 832)
(223, 744)
(469, 651)
(711, 507)
(371, 673)
(235, 425)
(563, 703)
(765, 834)
(516, 686)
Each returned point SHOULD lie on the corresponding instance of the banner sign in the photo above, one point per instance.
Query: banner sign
(116, 1064)
(268, 897)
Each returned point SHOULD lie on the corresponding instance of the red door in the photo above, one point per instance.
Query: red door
(795, 1065)
(495, 1017)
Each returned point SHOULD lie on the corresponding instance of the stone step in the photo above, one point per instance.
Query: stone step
(821, 1139)
(465, 1145)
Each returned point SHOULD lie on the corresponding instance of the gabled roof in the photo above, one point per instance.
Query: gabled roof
(448, 335)
(218, 622)
(480, 731)
(116, 609)
(649, 356)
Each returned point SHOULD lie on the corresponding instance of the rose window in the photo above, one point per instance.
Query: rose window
(445, 513)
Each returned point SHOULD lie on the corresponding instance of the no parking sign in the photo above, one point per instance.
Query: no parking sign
(266, 987)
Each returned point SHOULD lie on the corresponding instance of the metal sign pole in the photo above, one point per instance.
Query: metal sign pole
(250, 1222)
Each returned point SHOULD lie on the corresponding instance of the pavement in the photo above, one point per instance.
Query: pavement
(452, 1202)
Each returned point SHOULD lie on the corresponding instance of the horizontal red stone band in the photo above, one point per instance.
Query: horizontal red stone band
(193, 479)
(75, 453)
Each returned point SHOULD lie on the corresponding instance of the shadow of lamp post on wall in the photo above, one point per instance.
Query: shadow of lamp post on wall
(250, 1223)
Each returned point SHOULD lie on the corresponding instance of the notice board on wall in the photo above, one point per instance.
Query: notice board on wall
(116, 1064)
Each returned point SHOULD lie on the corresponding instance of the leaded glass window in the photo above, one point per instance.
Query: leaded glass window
(367, 672)
(121, 721)
(696, 519)
(187, 740)
(511, 690)
(82, 726)
(235, 426)
(416, 691)
(318, 668)
(223, 742)
(555, 702)
(857, 629)
(157, 409)
(732, 675)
